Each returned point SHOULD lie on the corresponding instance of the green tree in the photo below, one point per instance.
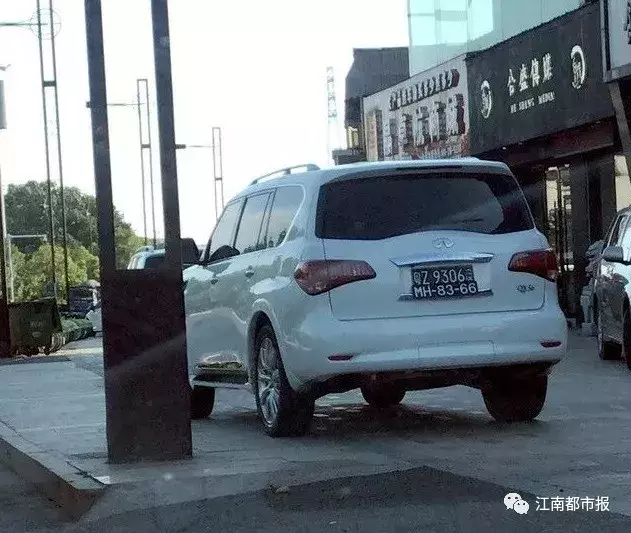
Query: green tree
(35, 273)
(18, 260)
(26, 207)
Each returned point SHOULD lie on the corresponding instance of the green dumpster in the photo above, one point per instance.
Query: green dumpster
(33, 325)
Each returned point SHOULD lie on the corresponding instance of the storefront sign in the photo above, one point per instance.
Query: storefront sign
(423, 117)
(543, 81)
(617, 59)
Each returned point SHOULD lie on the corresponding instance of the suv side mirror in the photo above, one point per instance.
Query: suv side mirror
(614, 254)
(223, 252)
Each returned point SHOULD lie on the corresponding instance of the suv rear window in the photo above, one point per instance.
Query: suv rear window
(154, 261)
(382, 207)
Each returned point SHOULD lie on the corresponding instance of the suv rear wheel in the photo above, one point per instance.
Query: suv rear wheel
(383, 394)
(202, 402)
(516, 400)
(284, 412)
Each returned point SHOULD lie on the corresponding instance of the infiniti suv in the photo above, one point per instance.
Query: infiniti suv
(387, 277)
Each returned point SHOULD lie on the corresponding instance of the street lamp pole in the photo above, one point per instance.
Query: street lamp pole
(53, 27)
(62, 195)
(142, 91)
(51, 223)
(218, 171)
(142, 160)
(148, 147)
(215, 146)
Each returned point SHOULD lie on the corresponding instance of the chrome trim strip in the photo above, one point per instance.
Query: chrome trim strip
(442, 257)
(219, 385)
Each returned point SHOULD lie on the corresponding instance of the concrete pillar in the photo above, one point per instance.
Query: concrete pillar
(579, 190)
(533, 184)
(602, 186)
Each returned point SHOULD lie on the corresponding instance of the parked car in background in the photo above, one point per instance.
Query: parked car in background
(146, 257)
(83, 298)
(153, 257)
(612, 292)
(388, 277)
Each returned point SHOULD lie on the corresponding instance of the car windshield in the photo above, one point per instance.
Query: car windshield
(382, 207)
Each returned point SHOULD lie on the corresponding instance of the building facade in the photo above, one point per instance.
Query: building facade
(373, 69)
(440, 30)
(426, 116)
(538, 101)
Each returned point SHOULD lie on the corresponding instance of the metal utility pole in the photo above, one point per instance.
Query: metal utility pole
(62, 194)
(5, 331)
(333, 126)
(147, 392)
(51, 221)
(138, 104)
(217, 167)
(142, 160)
(218, 172)
(146, 145)
(52, 27)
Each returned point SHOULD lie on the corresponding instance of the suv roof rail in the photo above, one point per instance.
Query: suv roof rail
(286, 171)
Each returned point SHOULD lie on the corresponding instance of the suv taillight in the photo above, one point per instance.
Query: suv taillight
(317, 277)
(542, 263)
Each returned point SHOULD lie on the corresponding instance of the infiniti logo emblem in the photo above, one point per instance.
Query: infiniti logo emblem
(443, 242)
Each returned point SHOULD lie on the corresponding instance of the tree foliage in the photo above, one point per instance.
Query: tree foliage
(27, 213)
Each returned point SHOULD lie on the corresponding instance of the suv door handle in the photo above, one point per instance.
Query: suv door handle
(214, 280)
(249, 272)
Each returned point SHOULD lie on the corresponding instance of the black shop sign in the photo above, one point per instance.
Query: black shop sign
(543, 81)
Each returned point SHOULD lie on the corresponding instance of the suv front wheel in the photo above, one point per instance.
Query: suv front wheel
(284, 412)
(516, 401)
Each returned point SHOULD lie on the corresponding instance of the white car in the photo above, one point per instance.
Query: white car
(388, 277)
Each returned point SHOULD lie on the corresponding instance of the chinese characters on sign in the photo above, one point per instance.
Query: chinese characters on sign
(424, 117)
(538, 74)
(573, 503)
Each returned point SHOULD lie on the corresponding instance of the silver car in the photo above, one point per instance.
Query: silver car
(612, 292)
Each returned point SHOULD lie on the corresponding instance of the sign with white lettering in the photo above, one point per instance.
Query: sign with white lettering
(424, 117)
(540, 82)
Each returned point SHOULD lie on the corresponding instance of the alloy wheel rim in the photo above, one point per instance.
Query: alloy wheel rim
(268, 381)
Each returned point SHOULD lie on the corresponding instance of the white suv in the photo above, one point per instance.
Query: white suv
(388, 277)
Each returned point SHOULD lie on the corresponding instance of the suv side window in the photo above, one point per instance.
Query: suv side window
(285, 205)
(224, 230)
(250, 224)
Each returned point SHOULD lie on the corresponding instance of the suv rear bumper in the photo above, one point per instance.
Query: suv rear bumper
(423, 343)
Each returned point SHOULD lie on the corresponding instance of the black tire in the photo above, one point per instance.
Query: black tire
(202, 402)
(284, 412)
(607, 350)
(383, 395)
(625, 351)
(516, 401)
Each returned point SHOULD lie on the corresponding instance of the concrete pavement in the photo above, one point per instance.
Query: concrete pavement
(419, 500)
(579, 447)
(23, 508)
